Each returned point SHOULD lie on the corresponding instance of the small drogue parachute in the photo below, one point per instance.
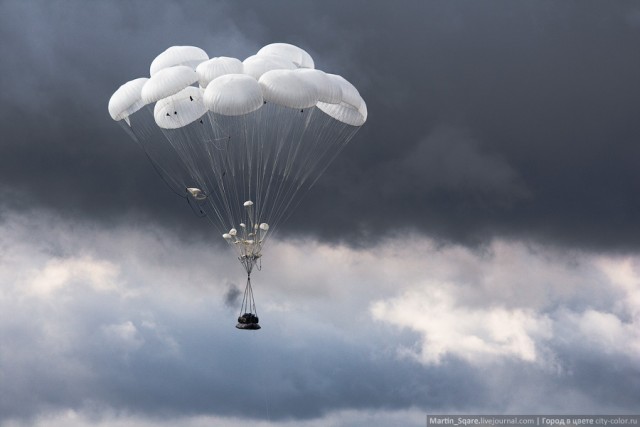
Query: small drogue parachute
(241, 140)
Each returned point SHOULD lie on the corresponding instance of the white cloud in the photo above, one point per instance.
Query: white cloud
(124, 336)
(59, 273)
(471, 333)
(513, 300)
(106, 316)
(616, 329)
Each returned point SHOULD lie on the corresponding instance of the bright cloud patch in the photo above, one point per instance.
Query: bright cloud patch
(617, 330)
(472, 333)
(514, 302)
(59, 273)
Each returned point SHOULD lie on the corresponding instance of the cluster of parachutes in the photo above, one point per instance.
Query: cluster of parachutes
(241, 140)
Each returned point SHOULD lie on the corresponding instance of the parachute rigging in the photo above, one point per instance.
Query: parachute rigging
(242, 141)
(248, 318)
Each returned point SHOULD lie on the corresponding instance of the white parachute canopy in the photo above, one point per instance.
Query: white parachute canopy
(241, 139)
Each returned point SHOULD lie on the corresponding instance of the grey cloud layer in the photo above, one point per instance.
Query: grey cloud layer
(134, 321)
(538, 98)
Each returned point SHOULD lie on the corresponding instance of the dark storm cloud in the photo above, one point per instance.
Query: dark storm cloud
(547, 88)
(59, 147)
(538, 99)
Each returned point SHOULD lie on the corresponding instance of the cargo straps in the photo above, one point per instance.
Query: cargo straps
(248, 303)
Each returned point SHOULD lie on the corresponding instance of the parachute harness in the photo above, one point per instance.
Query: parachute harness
(248, 303)
(248, 242)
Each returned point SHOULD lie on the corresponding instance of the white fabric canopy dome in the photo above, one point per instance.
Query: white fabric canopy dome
(233, 95)
(189, 56)
(257, 65)
(283, 74)
(287, 88)
(181, 109)
(293, 53)
(127, 99)
(216, 67)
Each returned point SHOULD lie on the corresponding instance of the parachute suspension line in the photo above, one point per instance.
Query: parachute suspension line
(226, 177)
(162, 174)
(305, 149)
(310, 144)
(248, 302)
(230, 164)
(230, 194)
(233, 160)
(236, 162)
(318, 165)
(271, 156)
(197, 144)
(248, 318)
(262, 157)
(276, 141)
(217, 174)
(274, 166)
(288, 143)
(219, 202)
(248, 195)
(299, 125)
(321, 140)
(141, 129)
(190, 144)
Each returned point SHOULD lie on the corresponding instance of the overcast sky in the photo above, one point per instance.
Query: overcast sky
(476, 247)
